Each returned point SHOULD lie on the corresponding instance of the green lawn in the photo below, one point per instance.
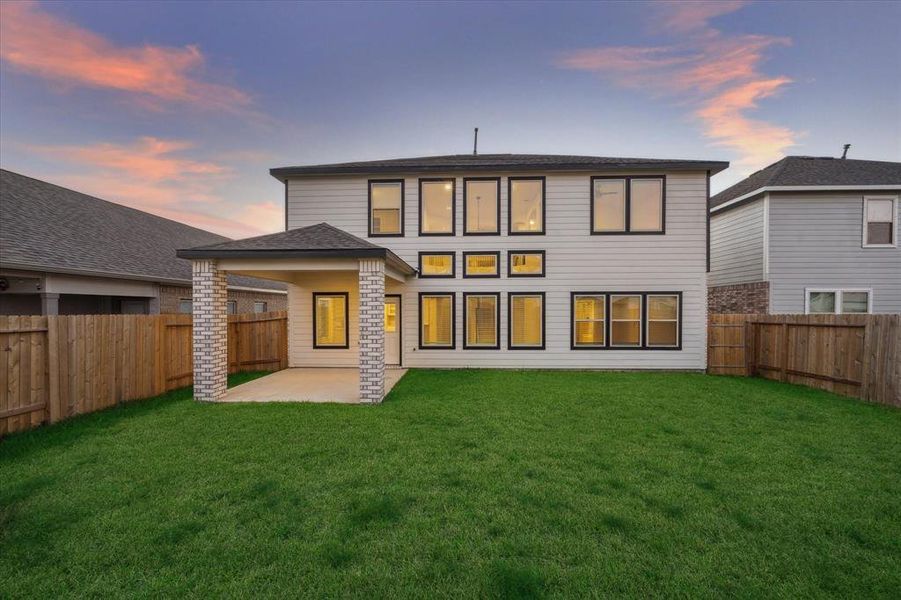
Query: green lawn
(464, 483)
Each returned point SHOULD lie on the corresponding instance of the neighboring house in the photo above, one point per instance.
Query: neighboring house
(808, 235)
(63, 252)
(505, 260)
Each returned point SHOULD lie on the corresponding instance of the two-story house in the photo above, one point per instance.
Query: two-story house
(808, 235)
(510, 261)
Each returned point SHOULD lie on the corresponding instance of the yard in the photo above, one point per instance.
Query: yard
(464, 483)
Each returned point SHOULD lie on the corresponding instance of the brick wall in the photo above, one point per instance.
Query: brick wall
(372, 330)
(170, 295)
(746, 298)
(210, 332)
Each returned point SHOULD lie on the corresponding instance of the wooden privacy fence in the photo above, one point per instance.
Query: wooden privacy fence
(853, 355)
(52, 368)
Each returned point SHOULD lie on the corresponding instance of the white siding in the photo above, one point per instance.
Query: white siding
(816, 241)
(737, 245)
(575, 261)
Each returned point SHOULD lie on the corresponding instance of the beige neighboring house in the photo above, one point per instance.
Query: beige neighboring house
(64, 252)
(490, 260)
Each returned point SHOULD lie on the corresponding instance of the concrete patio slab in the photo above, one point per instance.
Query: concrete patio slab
(307, 385)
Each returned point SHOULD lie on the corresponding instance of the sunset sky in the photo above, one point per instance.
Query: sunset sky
(180, 108)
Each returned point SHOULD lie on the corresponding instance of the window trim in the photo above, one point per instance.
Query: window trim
(497, 263)
(403, 195)
(497, 321)
(465, 203)
(453, 273)
(627, 230)
(453, 182)
(453, 297)
(647, 319)
(643, 321)
(865, 234)
(543, 181)
(346, 345)
(839, 293)
(510, 296)
(510, 272)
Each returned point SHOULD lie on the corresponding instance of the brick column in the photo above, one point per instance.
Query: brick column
(210, 331)
(372, 330)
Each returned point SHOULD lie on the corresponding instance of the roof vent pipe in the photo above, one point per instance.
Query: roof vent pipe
(475, 143)
(845, 151)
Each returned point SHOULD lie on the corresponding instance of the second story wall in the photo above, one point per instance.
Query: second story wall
(737, 245)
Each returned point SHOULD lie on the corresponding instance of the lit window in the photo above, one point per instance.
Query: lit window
(481, 206)
(260, 307)
(436, 264)
(589, 314)
(386, 208)
(526, 205)
(231, 307)
(436, 206)
(829, 302)
(480, 320)
(526, 321)
(609, 205)
(625, 321)
(627, 204)
(390, 317)
(481, 264)
(880, 218)
(646, 205)
(330, 315)
(436, 320)
(185, 306)
(526, 264)
(663, 321)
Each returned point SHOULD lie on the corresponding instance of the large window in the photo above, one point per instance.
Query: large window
(835, 301)
(436, 320)
(480, 320)
(436, 264)
(525, 312)
(386, 207)
(589, 320)
(628, 205)
(525, 196)
(481, 264)
(880, 218)
(330, 317)
(525, 263)
(626, 321)
(436, 207)
(481, 206)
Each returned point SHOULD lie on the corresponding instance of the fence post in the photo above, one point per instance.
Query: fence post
(53, 368)
(784, 358)
(750, 333)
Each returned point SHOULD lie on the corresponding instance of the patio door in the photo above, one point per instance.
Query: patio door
(392, 330)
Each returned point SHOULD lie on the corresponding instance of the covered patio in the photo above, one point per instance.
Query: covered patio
(315, 261)
(341, 385)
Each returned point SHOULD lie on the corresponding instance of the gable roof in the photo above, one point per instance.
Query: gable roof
(46, 227)
(314, 241)
(803, 171)
(496, 162)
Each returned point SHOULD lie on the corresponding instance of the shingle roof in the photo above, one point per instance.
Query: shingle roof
(314, 241)
(51, 228)
(813, 170)
(497, 162)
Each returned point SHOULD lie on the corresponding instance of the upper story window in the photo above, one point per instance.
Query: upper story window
(880, 220)
(481, 206)
(481, 264)
(436, 264)
(525, 196)
(526, 263)
(386, 207)
(627, 205)
(436, 207)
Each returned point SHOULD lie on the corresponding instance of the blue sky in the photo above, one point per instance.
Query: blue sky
(181, 108)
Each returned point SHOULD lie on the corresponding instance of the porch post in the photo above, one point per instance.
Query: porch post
(210, 331)
(372, 330)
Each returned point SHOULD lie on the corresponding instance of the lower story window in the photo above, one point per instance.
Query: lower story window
(259, 307)
(436, 320)
(185, 306)
(831, 302)
(231, 307)
(330, 316)
(589, 320)
(526, 314)
(634, 320)
(480, 320)
(663, 321)
(625, 320)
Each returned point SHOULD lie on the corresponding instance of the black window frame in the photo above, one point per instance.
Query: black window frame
(543, 181)
(453, 344)
(403, 201)
(466, 202)
(510, 272)
(497, 321)
(628, 205)
(497, 262)
(453, 182)
(643, 342)
(510, 296)
(451, 253)
(346, 345)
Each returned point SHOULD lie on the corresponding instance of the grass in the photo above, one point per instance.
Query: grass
(465, 483)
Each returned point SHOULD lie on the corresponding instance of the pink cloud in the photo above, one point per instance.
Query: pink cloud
(683, 17)
(43, 45)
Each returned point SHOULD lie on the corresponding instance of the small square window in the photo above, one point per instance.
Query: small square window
(855, 302)
(436, 264)
(481, 264)
(260, 307)
(525, 264)
(185, 306)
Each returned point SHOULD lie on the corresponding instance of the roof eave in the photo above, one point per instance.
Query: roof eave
(754, 194)
(384, 253)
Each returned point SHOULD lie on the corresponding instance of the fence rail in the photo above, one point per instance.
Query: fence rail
(853, 355)
(53, 368)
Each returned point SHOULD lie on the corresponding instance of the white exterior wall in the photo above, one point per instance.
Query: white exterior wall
(737, 245)
(575, 261)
